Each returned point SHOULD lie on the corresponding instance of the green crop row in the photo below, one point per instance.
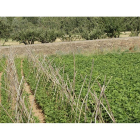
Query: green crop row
(123, 91)
(7, 110)
(2, 63)
(18, 68)
(4, 96)
(24, 94)
(5, 101)
(53, 107)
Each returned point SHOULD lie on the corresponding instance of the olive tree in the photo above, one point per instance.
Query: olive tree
(5, 29)
(135, 26)
(112, 26)
(24, 31)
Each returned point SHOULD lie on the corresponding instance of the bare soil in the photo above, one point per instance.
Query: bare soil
(36, 110)
(35, 107)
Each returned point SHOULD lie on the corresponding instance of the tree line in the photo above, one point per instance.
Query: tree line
(27, 30)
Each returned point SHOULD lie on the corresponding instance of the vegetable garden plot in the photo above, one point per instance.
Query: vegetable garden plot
(68, 88)
(56, 95)
(123, 92)
(14, 104)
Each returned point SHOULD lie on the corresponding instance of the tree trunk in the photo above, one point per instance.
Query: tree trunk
(32, 41)
(3, 42)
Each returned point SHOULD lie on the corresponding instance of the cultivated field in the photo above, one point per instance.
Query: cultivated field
(78, 82)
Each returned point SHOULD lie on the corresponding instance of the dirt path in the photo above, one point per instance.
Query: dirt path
(0, 85)
(36, 110)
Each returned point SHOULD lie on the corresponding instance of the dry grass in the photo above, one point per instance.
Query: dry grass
(126, 34)
(99, 46)
(15, 43)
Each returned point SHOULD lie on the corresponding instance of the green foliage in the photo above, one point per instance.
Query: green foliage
(135, 26)
(112, 26)
(23, 31)
(46, 36)
(54, 108)
(33, 20)
(5, 101)
(18, 68)
(4, 96)
(5, 29)
(25, 94)
(132, 24)
(2, 63)
(123, 91)
(27, 30)
(94, 34)
(134, 33)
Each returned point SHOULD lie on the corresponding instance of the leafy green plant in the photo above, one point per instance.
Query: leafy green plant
(2, 63)
(122, 92)
(18, 67)
(5, 101)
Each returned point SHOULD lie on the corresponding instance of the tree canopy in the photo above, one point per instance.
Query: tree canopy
(27, 30)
